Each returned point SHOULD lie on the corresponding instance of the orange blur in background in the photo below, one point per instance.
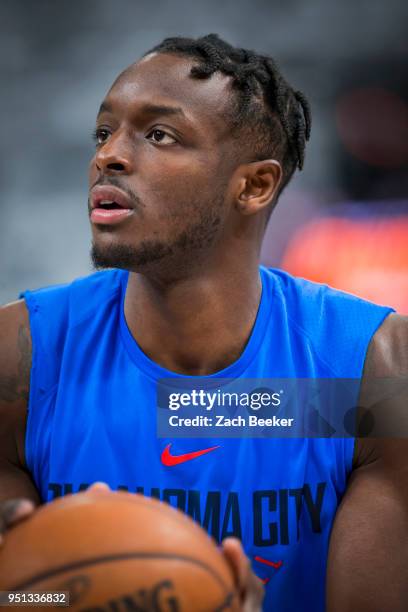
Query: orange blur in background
(366, 257)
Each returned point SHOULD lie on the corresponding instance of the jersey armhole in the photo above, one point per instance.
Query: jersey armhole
(36, 351)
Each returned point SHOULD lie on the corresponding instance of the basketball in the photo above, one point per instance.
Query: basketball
(117, 551)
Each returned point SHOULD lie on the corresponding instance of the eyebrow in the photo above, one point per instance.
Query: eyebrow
(149, 109)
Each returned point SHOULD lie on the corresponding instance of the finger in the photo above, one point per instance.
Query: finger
(249, 586)
(99, 486)
(238, 561)
(256, 594)
(14, 510)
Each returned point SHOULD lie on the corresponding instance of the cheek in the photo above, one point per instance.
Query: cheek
(174, 187)
(92, 172)
(174, 202)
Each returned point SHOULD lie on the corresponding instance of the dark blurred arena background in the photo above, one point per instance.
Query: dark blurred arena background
(343, 220)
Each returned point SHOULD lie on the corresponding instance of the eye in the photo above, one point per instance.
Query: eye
(161, 137)
(100, 136)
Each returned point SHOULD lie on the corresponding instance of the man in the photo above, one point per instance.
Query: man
(194, 144)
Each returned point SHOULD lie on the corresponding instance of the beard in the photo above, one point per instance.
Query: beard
(178, 252)
(127, 256)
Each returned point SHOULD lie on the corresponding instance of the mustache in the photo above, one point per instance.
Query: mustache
(116, 182)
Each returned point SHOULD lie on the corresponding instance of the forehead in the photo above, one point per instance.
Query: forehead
(164, 79)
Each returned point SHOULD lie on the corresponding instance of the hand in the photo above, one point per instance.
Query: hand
(249, 586)
(12, 512)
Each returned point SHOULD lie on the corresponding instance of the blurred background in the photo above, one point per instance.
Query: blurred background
(343, 220)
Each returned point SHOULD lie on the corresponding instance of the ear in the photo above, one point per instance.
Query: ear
(257, 185)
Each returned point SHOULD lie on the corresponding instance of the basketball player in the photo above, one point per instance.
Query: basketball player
(194, 144)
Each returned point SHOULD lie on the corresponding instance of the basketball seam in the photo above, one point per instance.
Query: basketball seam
(109, 558)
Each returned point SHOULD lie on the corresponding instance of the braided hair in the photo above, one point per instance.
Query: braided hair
(276, 117)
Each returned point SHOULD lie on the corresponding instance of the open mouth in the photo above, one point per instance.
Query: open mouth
(108, 212)
(108, 205)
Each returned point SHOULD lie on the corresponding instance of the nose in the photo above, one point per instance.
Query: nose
(115, 155)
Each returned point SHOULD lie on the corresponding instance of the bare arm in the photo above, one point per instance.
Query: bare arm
(15, 365)
(368, 555)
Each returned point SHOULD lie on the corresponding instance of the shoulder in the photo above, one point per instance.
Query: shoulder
(107, 281)
(317, 301)
(15, 351)
(308, 295)
(387, 353)
(62, 305)
(58, 316)
(15, 365)
(384, 396)
(337, 325)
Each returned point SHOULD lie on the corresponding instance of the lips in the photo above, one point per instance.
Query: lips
(109, 205)
(105, 195)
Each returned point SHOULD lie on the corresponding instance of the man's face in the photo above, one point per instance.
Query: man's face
(163, 157)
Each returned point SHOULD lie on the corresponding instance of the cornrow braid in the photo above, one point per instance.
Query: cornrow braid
(277, 117)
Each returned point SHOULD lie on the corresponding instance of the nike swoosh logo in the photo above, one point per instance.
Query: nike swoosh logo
(275, 564)
(169, 460)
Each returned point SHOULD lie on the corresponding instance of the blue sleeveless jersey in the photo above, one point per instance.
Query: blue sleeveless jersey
(92, 417)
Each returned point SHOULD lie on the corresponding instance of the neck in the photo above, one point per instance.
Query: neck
(196, 325)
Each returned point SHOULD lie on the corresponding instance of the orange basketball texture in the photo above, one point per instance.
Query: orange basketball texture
(117, 551)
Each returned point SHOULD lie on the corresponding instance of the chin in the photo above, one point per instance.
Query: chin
(137, 258)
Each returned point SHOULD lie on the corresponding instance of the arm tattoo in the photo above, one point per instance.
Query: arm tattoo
(16, 386)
